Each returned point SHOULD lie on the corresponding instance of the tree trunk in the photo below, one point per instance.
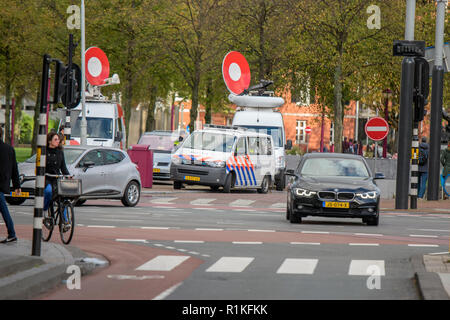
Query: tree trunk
(8, 111)
(150, 123)
(338, 110)
(195, 89)
(36, 122)
(262, 40)
(209, 98)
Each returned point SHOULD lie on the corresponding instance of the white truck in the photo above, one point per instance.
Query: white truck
(256, 113)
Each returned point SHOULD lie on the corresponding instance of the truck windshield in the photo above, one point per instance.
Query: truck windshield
(158, 142)
(210, 141)
(275, 132)
(100, 128)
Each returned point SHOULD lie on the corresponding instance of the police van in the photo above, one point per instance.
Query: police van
(230, 157)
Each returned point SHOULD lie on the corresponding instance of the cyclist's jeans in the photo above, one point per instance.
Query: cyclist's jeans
(47, 196)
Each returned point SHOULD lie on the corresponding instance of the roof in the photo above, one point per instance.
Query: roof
(332, 155)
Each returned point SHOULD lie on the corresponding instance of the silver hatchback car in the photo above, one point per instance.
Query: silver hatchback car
(105, 173)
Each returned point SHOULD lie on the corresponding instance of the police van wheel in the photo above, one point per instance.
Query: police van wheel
(228, 183)
(177, 185)
(264, 185)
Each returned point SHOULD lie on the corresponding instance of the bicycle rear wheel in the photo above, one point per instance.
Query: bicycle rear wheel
(49, 222)
(66, 222)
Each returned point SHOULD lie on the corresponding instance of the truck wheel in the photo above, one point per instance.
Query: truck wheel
(131, 194)
(177, 185)
(15, 201)
(281, 183)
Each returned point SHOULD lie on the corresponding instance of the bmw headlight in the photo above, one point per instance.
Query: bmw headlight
(304, 193)
(176, 160)
(216, 164)
(367, 195)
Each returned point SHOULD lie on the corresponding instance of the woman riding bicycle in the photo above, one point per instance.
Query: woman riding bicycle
(55, 164)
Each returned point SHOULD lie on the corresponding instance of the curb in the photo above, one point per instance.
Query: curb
(429, 283)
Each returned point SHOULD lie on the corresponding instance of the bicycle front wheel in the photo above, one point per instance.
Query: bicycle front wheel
(66, 222)
(48, 222)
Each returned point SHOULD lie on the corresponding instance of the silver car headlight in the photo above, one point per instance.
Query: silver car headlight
(304, 193)
(367, 195)
(216, 164)
(176, 160)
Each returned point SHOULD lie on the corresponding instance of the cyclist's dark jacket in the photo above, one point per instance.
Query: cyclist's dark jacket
(55, 164)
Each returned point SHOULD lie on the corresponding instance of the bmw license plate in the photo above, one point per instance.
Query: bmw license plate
(20, 195)
(341, 205)
(190, 178)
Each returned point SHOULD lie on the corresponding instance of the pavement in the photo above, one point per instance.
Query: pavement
(23, 276)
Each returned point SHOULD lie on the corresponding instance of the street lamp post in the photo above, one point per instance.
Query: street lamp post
(386, 95)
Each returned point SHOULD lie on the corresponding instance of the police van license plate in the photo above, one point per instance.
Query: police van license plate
(341, 205)
(190, 178)
(20, 195)
(155, 170)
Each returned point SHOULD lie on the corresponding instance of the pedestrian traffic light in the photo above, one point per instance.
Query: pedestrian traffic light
(60, 81)
(421, 88)
(67, 85)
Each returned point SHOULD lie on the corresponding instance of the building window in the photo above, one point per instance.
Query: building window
(302, 96)
(300, 132)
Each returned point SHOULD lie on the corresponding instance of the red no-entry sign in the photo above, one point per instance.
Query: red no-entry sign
(377, 128)
(308, 130)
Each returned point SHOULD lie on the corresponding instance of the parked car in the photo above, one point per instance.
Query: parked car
(105, 173)
(163, 144)
(333, 185)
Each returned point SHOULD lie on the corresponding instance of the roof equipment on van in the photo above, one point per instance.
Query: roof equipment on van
(217, 126)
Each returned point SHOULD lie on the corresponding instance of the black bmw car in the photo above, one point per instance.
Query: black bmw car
(333, 185)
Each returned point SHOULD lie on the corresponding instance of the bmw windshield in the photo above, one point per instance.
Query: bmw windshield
(330, 167)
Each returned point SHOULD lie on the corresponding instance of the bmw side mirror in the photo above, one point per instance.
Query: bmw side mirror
(288, 145)
(379, 175)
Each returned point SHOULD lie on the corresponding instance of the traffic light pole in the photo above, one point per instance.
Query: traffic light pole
(436, 105)
(69, 91)
(414, 166)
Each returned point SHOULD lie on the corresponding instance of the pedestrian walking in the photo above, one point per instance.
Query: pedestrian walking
(8, 172)
(345, 145)
(423, 167)
(351, 147)
(445, 161)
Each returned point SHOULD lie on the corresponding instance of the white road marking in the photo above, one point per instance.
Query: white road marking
(364, 244)
(155, 228)
(257, 230)
(423, 245)
(309, 243)
(437, 230)
(298, 266)
(247, 242)
(182, 250)
(167, 292)
(422, 236)
(170, 248)
(193, 252)
(230, 264)
(189, 241)
(202, 202)
(163, 200)
(101, 227)
(132, 240)
(162, 263)
(133, 277)
(241, 203)
(318, 232)
(208, 229)
(279, 205)
(361, 267)
(245, 210)
(369, 234)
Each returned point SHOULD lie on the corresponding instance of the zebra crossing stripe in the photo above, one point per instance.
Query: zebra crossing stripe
(365, 267)
(230, 264)
(298, 266)
(162, 263)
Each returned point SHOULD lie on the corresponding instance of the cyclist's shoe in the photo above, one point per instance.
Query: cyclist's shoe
(66, 226)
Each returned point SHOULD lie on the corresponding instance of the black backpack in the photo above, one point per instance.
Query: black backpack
(423, 157)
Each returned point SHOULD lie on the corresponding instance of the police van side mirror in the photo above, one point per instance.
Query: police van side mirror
(288, 145)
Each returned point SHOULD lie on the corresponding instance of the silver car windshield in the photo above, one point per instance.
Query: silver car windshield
(329, 167)
(210, 141)
(70, 155)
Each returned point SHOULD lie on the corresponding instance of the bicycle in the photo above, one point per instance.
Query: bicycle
(61, 210)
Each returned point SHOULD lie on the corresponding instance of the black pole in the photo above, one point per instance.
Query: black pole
(435, 133)
(69, 90)
(405, 133)
(40, 161)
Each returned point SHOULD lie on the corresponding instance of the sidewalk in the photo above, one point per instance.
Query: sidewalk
(423, 206)
(23, 276)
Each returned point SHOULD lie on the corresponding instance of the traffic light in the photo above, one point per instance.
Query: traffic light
(67, 85)
(421, 88)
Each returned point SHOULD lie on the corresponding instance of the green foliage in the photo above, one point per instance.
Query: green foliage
(296, 150)
(26, 129)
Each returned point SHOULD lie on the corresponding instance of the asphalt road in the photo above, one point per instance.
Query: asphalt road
(203, 245)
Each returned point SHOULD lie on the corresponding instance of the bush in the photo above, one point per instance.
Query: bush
(296, 150)
(26, 129)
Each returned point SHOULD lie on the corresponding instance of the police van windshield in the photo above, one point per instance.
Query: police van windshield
(275, 132)
(210, 141)
(100, 128)
(159, 142)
